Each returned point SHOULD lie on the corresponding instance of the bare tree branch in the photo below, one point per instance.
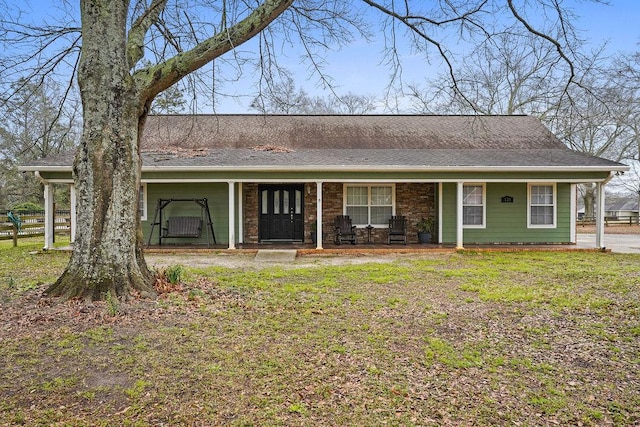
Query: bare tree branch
(138, 30)
(157, 78)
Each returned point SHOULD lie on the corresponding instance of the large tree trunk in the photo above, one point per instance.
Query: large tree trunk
(589, 198)
(107, 254)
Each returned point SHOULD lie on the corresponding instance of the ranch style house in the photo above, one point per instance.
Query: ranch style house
(235, 180)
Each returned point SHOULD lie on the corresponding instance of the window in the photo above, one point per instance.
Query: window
(142, 202)
(542, 205)
(473, 206)
(369, 204)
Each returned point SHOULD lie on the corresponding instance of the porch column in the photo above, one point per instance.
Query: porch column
(72, 197)
(599, 215)
(459, 216)
(574, 213)
(48, 216)
(240, 215)
(319, 215)
(232, 215)
(440, 212)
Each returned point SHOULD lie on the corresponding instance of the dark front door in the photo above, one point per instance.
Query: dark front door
(281, 212)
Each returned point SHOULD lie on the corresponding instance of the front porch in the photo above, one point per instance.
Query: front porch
(238, 210)
(365, 248)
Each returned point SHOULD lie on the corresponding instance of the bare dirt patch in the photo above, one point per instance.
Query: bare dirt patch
(246, 260)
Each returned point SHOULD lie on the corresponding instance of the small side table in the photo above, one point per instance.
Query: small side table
(369, 228)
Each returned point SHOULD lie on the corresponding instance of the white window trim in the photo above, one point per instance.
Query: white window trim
(555, 205)
(145, 205)
(484, 204)
(369, 185)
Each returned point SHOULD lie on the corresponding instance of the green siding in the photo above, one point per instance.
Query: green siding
(507, 222)
(217, 195)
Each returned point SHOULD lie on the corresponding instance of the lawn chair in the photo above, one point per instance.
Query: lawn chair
(344, 230)
(397, 230)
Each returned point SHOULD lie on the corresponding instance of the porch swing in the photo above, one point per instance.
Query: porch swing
(182, 226)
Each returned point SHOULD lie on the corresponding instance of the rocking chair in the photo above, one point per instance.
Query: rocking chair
(344, 230)
(397, 230)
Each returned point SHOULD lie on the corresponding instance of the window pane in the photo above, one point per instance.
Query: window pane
(298, 202)
(358, 214)
(265, 202)
(285, 202)
(357, 196)
(141, 202)
(369, 205)
(380, 214)
(276, 202)
(541, 195)
(472, 215)
(381, 196)
(472, 195)
(541, 215)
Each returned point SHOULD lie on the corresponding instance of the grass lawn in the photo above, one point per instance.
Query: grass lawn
(523, 338)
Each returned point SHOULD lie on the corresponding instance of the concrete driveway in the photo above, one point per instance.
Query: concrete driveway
(621, 243)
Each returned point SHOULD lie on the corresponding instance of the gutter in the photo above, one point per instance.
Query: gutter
(40, 178)
(349, 168)
(393, 168)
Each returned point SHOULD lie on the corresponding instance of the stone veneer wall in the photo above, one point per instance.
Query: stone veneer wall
(250, 211)
(413, 200)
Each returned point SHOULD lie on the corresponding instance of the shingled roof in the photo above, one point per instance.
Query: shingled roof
(340, 142)
(348, 132)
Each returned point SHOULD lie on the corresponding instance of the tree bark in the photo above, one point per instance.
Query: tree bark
(107, 254)
(589, 201)
(108, 251)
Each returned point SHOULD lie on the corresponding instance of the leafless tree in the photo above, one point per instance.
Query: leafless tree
(33, 127)
(598, 115)
(106, 48)
(508, 74)
(287, 99)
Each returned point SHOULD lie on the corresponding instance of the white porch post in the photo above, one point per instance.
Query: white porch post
(232, 215)
(599, 215)
(574, 214)
(240, 215)
(459, 216)
(72, 197)
(319, 215)
(48, 216)
(440, 211)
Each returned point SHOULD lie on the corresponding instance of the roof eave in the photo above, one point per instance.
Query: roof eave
(362, 168)
(391, 168)
(45, 168)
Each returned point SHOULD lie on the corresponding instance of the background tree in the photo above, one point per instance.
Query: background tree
(598, 115)
(171, 101)
(508, 74)
(117, 89)
(601, 122)
(286, 99)
(33, 127)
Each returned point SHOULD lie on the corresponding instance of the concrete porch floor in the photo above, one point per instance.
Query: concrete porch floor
(309, 248)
